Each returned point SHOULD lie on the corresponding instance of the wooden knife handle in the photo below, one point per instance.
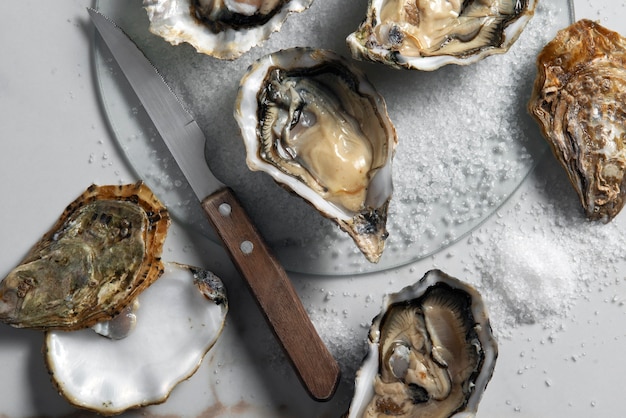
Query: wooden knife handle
(271, 287)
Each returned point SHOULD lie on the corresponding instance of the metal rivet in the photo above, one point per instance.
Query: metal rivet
(224, 209)
(246, 247)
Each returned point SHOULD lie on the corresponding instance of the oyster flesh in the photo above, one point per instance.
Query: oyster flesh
(103, 251)
(221, 28)
(179, 319)
(321, 130)
(431, 353)
(427, 34)
(579, 102)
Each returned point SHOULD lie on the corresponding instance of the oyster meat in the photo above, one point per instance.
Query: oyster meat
(103, 251)
(221, 28)
(427, 34)
(579, 102)
(320, 129)
(431, 353)
(179, 318)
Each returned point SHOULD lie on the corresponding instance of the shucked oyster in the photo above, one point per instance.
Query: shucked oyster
(103, 252)
(427, 34)
(221, 28)
(431, 353)
(319, 128)
(579, 101)
(179, 318)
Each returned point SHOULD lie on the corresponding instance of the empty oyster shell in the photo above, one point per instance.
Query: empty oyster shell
(179, 318)
(431, 353)
(426, 35)
(320, 129)
(222, 28)
(579, 101)
(103, 252)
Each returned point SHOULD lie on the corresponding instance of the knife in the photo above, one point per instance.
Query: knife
(267, 280)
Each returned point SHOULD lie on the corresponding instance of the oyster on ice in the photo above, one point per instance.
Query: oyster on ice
(179, 319)
(221, 28)
(320, 129)
(431, 353)
(427, 34)
(579, 102)
(103, 251)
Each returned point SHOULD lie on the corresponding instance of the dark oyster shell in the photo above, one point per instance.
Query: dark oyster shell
(103, 252)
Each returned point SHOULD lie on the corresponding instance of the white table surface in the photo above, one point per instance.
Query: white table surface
(57, 141)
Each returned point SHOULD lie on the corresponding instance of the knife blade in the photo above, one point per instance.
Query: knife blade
(266, 279)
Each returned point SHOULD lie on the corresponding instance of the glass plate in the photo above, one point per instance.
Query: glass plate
(466, 141)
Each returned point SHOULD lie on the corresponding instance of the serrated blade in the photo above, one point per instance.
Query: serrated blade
(266, 279)
(175, 124)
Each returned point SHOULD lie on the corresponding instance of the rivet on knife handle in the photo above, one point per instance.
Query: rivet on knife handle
(267, 280)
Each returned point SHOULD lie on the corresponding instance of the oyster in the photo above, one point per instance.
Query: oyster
(431, 353)
(179, 318)
(222, 28)
(579, 101)
(103, 252)
(427, 34)
(320, 129)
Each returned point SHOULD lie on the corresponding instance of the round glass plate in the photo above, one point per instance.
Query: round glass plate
(466, 141)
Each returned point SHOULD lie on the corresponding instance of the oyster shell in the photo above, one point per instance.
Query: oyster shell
(320, 129)
(179, 319)
(579, 102)
(222, 28)
(426, 34)
(103, 251)
(431, 353)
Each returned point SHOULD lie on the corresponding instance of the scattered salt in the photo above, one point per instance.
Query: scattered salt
(543, 257)
(345, 344)
(463, 147)
(529, 273)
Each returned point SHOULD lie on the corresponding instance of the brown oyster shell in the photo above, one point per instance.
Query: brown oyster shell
(579, 101)
(103, 251)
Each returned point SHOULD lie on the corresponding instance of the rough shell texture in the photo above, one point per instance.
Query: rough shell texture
(223, 29)
(431, 353)
(426, 35)
(320, 129)
(103, 251)
(179, 318)
(579, 101)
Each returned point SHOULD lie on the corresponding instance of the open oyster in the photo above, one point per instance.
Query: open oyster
(431, 353)
(579, 101)
(103, 252)
(179, 319)
(320, 129)
(221, 28)
(427, 34)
